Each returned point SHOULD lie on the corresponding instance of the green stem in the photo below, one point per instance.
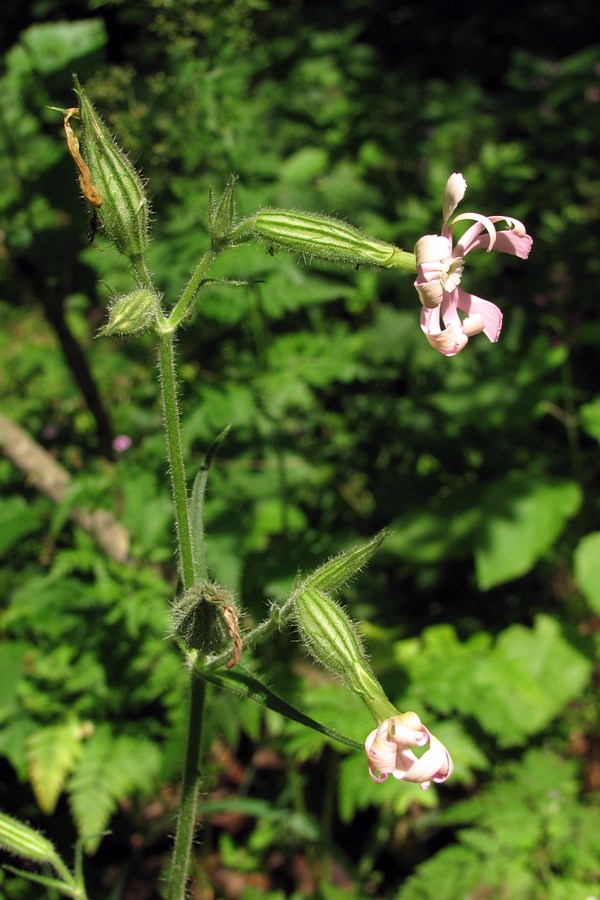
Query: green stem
(187, 812)
(168, 383)
(183, 305)
(189, 791)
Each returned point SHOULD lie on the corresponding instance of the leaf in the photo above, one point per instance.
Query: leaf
(11, 671)
(51, 755)
(587, 569)
(17, 520)
(52, 46)
(525, 682)
(522, 516)
(110, 769)
(243, 684)
(589, 415)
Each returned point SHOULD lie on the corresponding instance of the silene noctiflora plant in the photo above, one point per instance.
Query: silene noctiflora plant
(206, 616)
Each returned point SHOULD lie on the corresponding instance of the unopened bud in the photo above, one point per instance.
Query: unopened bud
(326, 238)
(205, 617)
(18, 838)
(221, 213)
(330, 636)
(132, 313)
(124, 206)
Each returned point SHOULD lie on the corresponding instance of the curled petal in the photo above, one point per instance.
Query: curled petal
(434, 765)
(482, 222)
(454, 191)
(514, 225)
(488, 312)
(381, 753)
(388, 752)
(513, 242)
(447, 342)
(431, 293)
(432, 248)
(473, 325)
(437, 269)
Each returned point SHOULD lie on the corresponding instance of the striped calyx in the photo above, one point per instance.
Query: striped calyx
(124, 208)
(132, 312)
(324, 237)
(330, 635)
(21, 839)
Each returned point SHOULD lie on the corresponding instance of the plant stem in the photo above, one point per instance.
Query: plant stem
(189, 791)
(183, 305)
(168, 383)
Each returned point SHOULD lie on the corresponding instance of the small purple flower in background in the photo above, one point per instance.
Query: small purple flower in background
(49, 432)
(121, 443)
(440, 267)
(388, 752)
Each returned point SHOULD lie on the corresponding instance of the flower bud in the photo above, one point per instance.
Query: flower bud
(221, 214)
(326, 238)
(132, 312)
(124, 206)
(205, 617)
(330, 636)
(18, 838)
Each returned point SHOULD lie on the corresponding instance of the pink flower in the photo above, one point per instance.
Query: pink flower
(388, 752)
(121, 443)
(440, 267)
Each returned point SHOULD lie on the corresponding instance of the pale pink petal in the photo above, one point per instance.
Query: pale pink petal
(434, 765)
(408, 729)
(381, 753)
(481, 223)
(394, 756)
(511, 242)
(489, 312)
(473, 325)
(447, 342)
(506, 242)
(432, 248)
(453, 194)
(430, 293)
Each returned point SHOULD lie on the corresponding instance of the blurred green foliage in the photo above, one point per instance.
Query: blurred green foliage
(481, 609)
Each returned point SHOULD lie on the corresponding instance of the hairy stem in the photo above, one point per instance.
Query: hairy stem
(168, 383)
(191, 773)
(189, 791)
(184, 304)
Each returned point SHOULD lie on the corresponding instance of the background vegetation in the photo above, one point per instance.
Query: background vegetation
(481, 611)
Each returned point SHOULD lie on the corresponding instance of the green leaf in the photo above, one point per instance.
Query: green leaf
(11, 671)
(589, 415)
(525, 682)
(522, 516)
(243, 684)
(17, 520)
(587, 569)
(109, 769)
(51, 754)
(53, 46)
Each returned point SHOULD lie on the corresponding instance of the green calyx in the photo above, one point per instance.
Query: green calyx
(132, 313)
(123, 207)
(329, 634)
(205, 617)
(324, 237)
